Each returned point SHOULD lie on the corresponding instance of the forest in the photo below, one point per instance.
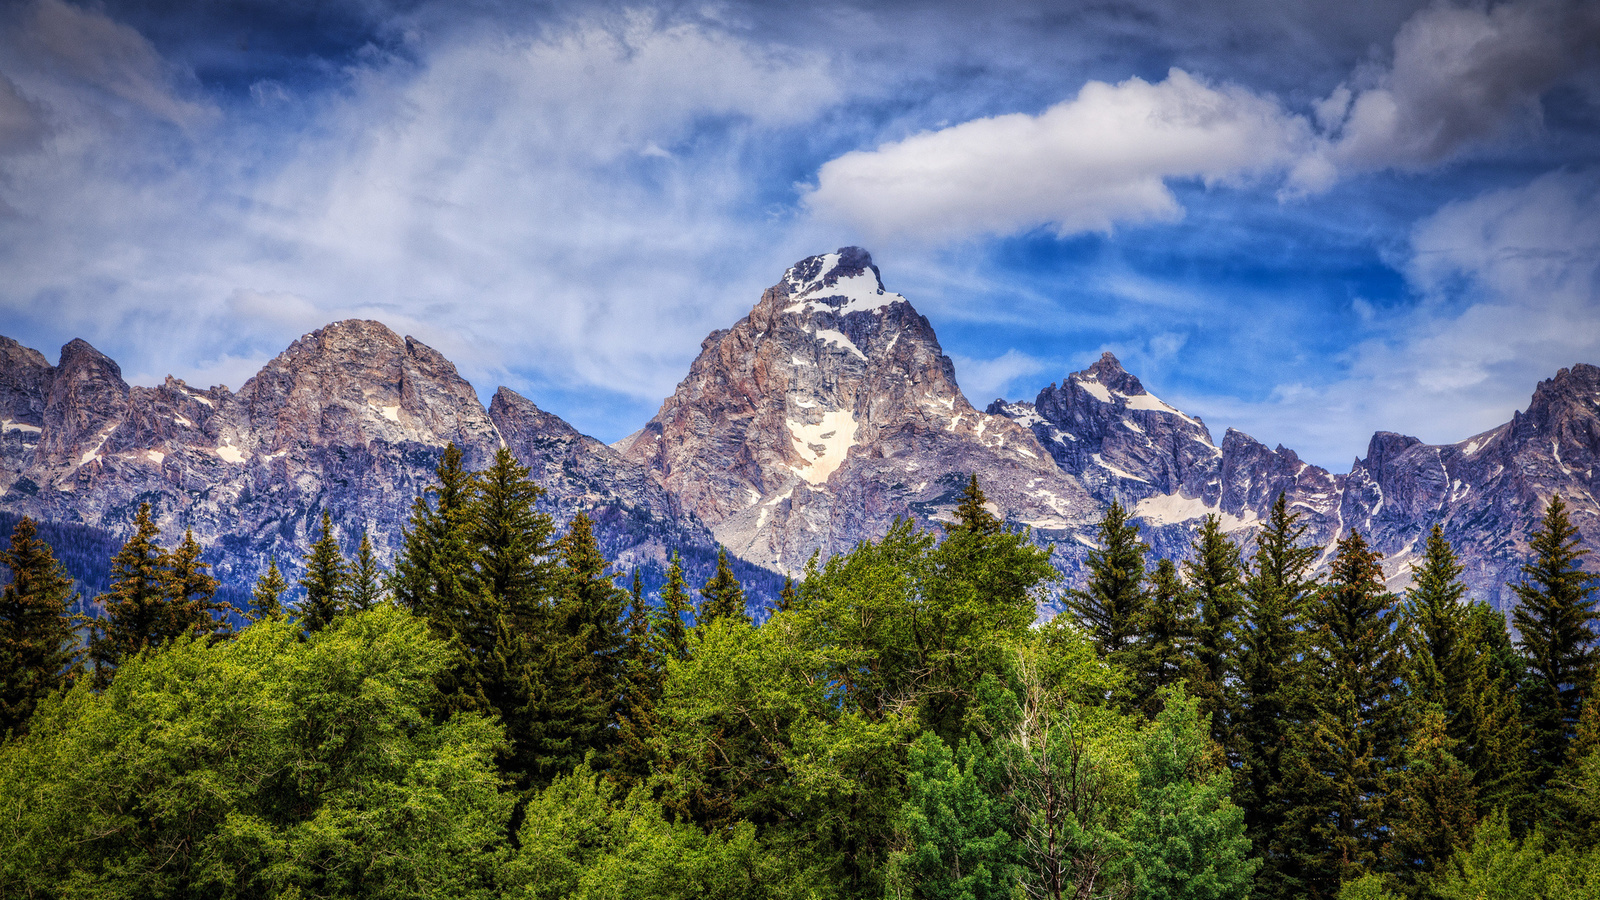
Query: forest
(504, 715)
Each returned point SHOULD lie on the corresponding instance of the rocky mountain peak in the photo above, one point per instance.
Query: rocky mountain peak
(87, 400)
(1109, 373)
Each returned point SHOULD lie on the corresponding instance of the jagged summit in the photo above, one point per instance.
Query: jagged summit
(841, 282)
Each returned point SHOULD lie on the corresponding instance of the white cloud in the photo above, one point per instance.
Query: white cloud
(982, 380)
(1459, 74)
(1510, 282)
(1090, 163)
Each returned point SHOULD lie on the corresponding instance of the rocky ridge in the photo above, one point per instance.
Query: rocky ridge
(351, 418)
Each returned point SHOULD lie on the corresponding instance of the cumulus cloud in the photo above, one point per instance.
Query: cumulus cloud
(1459, 74)
(1101, 159)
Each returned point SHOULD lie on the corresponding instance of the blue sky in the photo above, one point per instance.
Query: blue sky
(1307, 221)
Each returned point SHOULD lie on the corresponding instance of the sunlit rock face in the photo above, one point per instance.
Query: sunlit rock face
(827, 412)
(351, 419)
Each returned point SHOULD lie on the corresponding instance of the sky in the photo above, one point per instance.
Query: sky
(1308, 221)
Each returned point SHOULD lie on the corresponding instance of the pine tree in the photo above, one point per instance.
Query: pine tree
(788, 596)
(1555, 619)
(592, 672)
(972, 513)
(666, 626)
(1216, 579)
(513, 541)
(1109, 606)
(1495, 741)
(1165, 629)
(1272, 693)
(134, 617)
(1346, 762)
(1434, 803)
(364, 588)
(434, 573)
(38, 651)
(267, 596)
(1436, 621)
(722, 597)
(325, 580)
(190, 591)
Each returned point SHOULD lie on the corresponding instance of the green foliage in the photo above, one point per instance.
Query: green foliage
(433, 575)
(1436, 621)
(1555, 619)
(670, 636)
(1498, 866)
(1164, 646)
(265, 766)
(1113, 599)
(722, 597)
(1185, 837)
(155, 597)
(365, 586)
(1216, 577)
(1272, 703)
(38, 650)
(972, 513)
(1433, 801)
(582, 839)
(266, 597)
(956, 829)
(325, 580)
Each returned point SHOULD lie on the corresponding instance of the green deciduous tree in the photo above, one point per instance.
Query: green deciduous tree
(955, 825)
(267, 766)
(38, 650)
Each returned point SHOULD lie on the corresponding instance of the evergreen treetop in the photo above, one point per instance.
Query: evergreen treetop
(267, 595)
(325, 580)
(972, 513)
(1110, 604)
(38, 650)
(722, 597)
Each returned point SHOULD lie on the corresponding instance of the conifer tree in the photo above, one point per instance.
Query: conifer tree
(1347, 761)
(722, 597)
(1436, 620)
(267, 595)
(1216, 582)
(637, 642)
(1272, 702)
(1109, 606)
(1434, 803)
(595, 671)
(1165, 630)
(513, 541)
(1555, 619)
(325, 580)
(364, 588)
(788, 596)
(434, 572)
(38, 651)
(972, 513)
(1495, 741)
(666, 626)
(190, 591)
(134, 617)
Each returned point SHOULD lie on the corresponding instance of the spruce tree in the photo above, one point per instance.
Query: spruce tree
(669, 638)
(325, 580)
(434, 572)
(1216, 583)
(1433, 801)
(267, 595)
(788, 596)
(1165, 629)
(1272, 701)
(191, 591)
(134, 617)
(1436, 620)
(1495, 741)
(722, 597)
(38, 650)
(364, 587)
(1110, 604)
(972, 513)
(512, 540)
(1347, 761)
(1555, 619)
(592, 670)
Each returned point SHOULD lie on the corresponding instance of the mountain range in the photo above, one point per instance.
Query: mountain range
(808, 426)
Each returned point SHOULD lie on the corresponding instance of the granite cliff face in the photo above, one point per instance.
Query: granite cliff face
(351, 418)
(827, 412)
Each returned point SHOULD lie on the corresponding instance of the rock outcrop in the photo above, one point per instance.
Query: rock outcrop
(829, 411)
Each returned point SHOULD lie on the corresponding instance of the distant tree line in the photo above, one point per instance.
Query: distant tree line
(496, 717)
